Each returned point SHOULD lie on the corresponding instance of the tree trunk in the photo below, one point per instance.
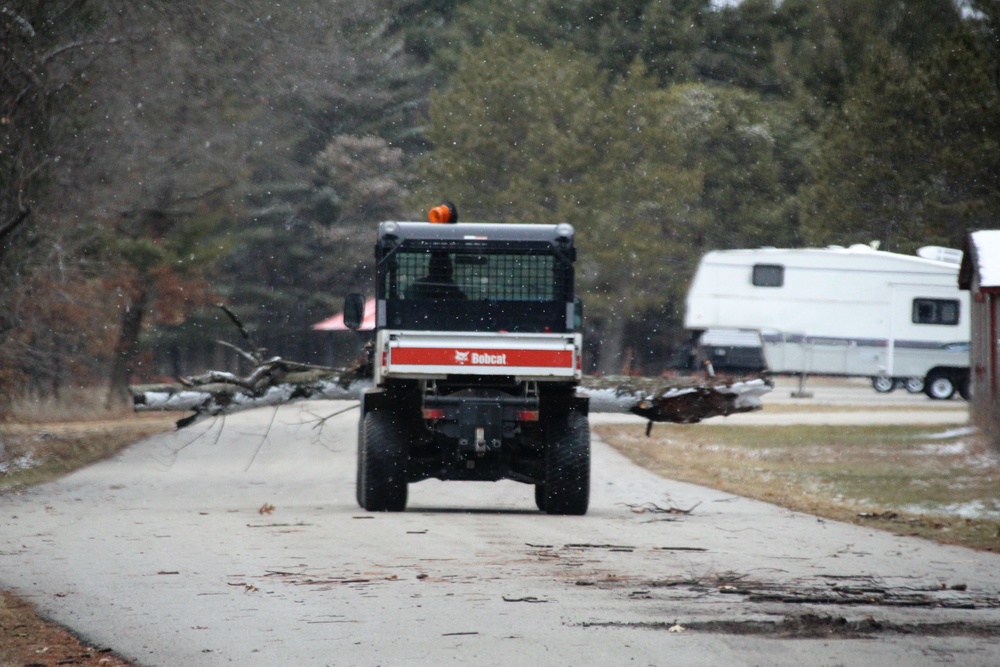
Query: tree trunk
(612, 341)
(127, 349)
(8, 227)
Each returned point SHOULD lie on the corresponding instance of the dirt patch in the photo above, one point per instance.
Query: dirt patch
(840, 591)
(30, 641)
(834, 590)
(812, 626)
(779, 599)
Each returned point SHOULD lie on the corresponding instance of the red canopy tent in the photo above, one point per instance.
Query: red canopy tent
(336, 323)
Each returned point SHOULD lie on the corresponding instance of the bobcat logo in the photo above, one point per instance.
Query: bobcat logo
(461, 357)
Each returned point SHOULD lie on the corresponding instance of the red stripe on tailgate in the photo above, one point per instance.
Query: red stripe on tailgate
(436, 356)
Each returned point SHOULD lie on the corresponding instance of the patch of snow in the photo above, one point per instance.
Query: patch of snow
(758, 131)
(975, 509)
(273, 396)
(945, 450)
(182, 400)
(332, 389)
(20, 463)
(950, 433)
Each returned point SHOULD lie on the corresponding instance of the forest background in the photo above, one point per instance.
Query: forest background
(161, 157)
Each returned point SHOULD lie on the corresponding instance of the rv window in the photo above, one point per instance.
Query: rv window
(768, 275)
(935, 311)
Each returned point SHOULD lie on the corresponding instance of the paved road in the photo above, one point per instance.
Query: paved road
(164, 554)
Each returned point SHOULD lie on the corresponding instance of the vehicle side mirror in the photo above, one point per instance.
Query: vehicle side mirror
(354, 311)
(577, 314)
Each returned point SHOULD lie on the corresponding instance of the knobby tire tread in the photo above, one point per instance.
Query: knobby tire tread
(383, 463)
(567, 467)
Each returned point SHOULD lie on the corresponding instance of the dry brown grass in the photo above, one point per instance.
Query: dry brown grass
(918, 480)
(72, 405)
(38, 451)
(41, 439)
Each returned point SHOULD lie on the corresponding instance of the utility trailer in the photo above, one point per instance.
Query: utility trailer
(476, 360)
(898, 319)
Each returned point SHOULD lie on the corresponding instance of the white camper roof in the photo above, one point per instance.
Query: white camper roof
(858, 257)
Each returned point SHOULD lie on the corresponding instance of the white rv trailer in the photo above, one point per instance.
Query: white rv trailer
(851, 311)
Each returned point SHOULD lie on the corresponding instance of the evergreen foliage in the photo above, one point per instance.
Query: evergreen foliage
(911, 158)
(163, 147)
(561, 142)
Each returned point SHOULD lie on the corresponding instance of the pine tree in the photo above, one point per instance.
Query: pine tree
(540, 135)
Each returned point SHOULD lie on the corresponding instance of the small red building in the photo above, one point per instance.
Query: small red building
(980, 274)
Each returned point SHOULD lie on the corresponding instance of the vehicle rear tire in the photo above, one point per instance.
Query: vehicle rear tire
(567, 466)
(540, 496)
(383, 463)
(883, 384)
(359, 482)
(914, 385)
(939, 386)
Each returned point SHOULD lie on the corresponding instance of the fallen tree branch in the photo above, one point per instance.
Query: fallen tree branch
(216, 398)
(275, 381)
(278, 381)
(239, 350)
(257, 353)
(680, 400)
(653, 508)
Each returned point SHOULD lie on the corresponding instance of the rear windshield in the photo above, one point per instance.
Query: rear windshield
(475, 277)
(476, 289)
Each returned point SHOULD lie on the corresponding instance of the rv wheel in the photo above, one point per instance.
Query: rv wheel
(914, 385)
(883, 384)
(939, 386)
(964, 387)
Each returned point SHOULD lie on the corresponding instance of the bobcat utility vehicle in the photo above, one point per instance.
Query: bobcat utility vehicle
(476, 359)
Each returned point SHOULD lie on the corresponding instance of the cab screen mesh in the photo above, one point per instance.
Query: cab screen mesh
(476, 277)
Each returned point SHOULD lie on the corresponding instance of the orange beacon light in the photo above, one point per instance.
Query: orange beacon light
(444, 213)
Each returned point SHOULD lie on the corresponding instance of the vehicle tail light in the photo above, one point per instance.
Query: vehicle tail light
(433, 413)
(527, 415)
